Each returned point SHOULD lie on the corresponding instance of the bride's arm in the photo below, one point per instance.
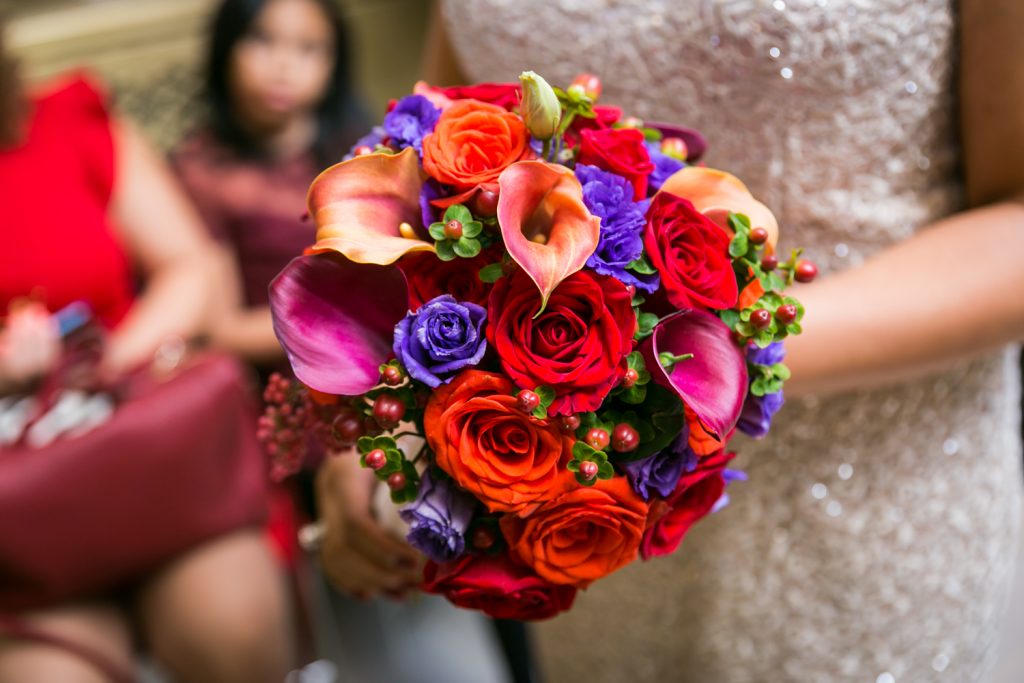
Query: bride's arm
(440, 66)
(956, 289)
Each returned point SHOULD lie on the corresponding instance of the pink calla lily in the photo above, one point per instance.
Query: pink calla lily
(546, 227)
(367, 208)
(714, 382)
(715, 193)
(336, 319)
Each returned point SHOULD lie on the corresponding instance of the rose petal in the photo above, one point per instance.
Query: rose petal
(714, 382)
(715, 193)
(359, 204)
(335, 320)
(545, 225)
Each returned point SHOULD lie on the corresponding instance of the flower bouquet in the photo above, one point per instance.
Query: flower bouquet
(539, 323)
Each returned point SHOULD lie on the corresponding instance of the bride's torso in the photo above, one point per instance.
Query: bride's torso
(863, 510)
(836, 113)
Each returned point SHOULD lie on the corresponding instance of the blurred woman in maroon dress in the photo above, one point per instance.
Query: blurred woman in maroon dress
(282, 110)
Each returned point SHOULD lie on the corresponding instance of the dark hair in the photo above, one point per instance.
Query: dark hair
(12, 100)
(339, 117)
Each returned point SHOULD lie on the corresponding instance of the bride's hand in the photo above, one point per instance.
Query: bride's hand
(359, 556)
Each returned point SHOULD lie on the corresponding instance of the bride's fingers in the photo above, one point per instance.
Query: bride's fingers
(352, 573)
(383, 549)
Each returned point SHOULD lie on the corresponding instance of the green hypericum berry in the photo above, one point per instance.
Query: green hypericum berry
(456, 235)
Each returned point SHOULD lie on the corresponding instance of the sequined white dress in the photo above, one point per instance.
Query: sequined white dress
(875, 539)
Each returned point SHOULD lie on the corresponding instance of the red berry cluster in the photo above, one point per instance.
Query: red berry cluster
(289, 419)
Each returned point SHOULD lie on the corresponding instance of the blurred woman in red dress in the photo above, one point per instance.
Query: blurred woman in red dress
(88, 211)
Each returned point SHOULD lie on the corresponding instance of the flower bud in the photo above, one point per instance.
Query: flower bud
(540, 109)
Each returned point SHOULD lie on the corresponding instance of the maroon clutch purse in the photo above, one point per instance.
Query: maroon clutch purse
(176, 464)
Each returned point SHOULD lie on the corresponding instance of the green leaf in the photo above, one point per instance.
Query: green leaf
(467, 247)
(764, 338)
(739, 222)
(573, 465)
(635, 395)
(540, 412)
(364, 444)
(605, 470)
(745, 329)
(446, 250)
(730, 317)
(635, 361)
(641, 266)
(546, 394)
(436, 231)
(757, 387)
(770, 281)
(781, 371)
(646, 323)
(651, 134)
(638, 299)
(491, 273)
(738, 245)
(457, 212)
(794, 328)
(472, 228)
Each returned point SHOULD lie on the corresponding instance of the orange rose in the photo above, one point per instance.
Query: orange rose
(582, 535)
(473, 143)
(503, 456)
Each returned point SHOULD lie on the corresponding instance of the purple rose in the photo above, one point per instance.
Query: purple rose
(659, 473)
(438, 519)
(769, 355)
(441, 337)
(756, 417)
(664, 166)
(410, 121)
(610, 198)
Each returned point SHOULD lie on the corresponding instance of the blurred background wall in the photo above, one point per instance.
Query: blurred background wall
(150, 52)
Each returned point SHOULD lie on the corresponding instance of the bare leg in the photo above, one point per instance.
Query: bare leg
(221, 613)
(102, 629)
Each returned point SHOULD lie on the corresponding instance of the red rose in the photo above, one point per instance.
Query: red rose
(577, 346)
(498, 587)
(694, 496)
(691, 254)
(620, 151)
(604, 117)
(505, 95)
(429, 277)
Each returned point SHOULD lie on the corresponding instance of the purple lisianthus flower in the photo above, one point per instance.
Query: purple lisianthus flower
(664, 166)
(441, 337)
(372, 139)
(769, 355)
(410, 121)
(660, 473)
(429, 192)
(756, 417)
(610, 198)
(438, 519)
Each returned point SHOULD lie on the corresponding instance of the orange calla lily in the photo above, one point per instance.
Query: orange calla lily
(546, 227)
(715, 193)
(365, 208)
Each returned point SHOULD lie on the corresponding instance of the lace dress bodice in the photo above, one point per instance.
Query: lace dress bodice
(875, 539)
